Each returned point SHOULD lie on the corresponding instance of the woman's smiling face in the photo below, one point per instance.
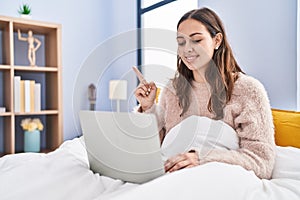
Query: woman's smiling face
(195, 44)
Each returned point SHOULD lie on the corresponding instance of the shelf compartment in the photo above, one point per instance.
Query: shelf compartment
(49, 87)
(19, 132)
(47, 35)
(5, 50)
(7, 140)
(5, 92)
(53, 140)
(50, 140)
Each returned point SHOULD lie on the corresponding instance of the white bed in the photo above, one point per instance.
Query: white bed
(64, 174)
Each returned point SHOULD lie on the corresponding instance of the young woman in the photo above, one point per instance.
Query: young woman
(210, 83)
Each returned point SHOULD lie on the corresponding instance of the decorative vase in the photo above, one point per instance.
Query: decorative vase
(32, 141)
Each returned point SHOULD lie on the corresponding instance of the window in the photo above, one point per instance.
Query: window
(159, 47)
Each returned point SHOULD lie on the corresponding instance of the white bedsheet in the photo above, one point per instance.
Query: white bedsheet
(64, 174)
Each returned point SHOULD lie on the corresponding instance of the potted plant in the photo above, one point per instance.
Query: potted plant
(25, 11)
(32, 128)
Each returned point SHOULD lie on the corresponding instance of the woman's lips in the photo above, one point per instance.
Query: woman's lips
(190, 58)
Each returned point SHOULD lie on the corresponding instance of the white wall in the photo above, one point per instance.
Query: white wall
(263, 36)
(85, 26)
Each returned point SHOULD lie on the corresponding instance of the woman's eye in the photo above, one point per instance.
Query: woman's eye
(196, 41)
(180, 43)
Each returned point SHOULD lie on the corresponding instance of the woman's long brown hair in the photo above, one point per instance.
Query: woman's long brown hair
(221, 73)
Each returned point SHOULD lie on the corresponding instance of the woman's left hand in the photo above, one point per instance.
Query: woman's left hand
(180, 161)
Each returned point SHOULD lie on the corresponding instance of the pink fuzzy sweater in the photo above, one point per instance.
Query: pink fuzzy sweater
(248, 113)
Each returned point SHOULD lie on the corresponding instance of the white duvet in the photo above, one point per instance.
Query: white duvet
(64, 174)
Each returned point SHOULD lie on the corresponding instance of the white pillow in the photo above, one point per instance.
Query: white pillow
(287, 163)
(201, 133)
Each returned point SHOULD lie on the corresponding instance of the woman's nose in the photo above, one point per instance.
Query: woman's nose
(188, 47)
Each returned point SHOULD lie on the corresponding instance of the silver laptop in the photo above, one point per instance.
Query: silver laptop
(123, 146)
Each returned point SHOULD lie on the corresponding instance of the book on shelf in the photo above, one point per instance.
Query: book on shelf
(17, 91)
(2, 109)
(37, 97)
(32, 83)
(22, 96)
(27, 95)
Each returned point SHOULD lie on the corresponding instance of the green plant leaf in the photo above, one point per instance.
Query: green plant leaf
(24, 9)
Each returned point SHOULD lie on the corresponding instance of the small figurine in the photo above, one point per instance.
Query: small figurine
(92, 96)
(31, 46)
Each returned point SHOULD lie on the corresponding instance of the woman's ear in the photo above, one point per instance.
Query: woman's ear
(218, 40)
